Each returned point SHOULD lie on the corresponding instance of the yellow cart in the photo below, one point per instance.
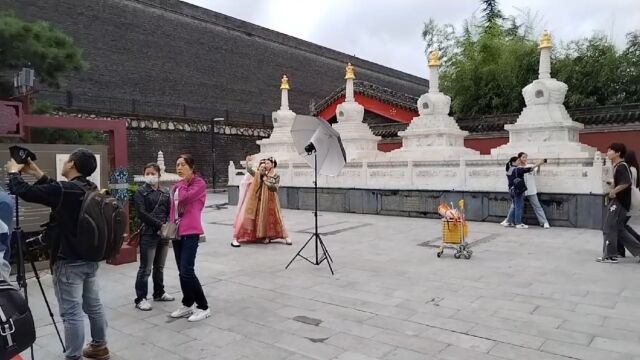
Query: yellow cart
(454, 234)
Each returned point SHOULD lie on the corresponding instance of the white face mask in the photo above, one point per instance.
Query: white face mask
(151, 180)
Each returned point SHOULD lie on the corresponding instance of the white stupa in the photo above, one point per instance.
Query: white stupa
(358, 140)
(433, 134)
(544, 127)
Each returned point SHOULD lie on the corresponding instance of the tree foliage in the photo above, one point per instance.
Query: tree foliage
(488, 63)
(38, 45)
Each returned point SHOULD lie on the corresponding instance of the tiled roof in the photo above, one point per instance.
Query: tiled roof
(381, 93)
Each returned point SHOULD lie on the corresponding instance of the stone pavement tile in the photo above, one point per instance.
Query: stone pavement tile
(176, 325)
(297, 301)
(633, 293)
(527, 328)
(261, 282)
(507, 336)
(404, 354)
(352, 327)
(581, 352)
(519, 353)
(400, 326)
(364, 346)
(200, 349)
(622, 346)
(458, 353)
(543, 320)
(305, 330)
(622, 324)
(584, 300)
(386, 310)
(490, 293)
(597, 310)
(164, 338)
(261, 317)
(254, 350)
(429, 306)
(496, 304)
(432, 320)
(315, 350)
(130, 325)
(569, 315)
(546, 302)
(146, 351)
(298, 357)
(461, 340)
(601, 331)
(212, 335)
(350, 355)
(414, 343)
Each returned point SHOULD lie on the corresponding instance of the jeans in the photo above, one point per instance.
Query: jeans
(515, 216)
(614, 230)
(185, 251)
(76, 288)
(153, 251)
(537, 208)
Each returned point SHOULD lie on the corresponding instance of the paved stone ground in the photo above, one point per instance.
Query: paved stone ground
(525, 294)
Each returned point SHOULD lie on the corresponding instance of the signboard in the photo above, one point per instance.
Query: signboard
(62, 158)
(10, 124)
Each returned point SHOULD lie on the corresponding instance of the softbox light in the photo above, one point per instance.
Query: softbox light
(325, 141)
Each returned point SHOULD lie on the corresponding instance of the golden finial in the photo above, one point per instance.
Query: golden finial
(350, 72)
(284, 83)
(434, 58)
(545, 41)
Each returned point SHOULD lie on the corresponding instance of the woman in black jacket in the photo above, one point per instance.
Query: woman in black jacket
(152, 205)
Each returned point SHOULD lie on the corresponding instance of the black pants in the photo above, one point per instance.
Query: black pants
(185, 250)
(632, 232)
(153, 251)
(615, 231)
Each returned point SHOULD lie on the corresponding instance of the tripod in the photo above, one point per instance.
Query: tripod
(315, 236)
(21, 277)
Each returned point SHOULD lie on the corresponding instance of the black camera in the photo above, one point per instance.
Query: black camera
(21, 155)
(545, 161)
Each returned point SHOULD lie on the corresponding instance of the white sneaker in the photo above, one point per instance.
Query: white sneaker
(164, 297)
(184, 311)
(506, 223)
(144, 305)
(546, 226)
(199, 314)
(522, 226)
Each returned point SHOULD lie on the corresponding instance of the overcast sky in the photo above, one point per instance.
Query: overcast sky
(388, 31)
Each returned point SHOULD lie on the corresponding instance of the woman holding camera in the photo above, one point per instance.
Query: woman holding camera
(152, 205)
(188, 198)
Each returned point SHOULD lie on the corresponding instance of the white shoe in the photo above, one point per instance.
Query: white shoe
(199, 314)
(164, 297)
(546, 226)
(144, 305)
(522, 226)
(506, 223)
(184, 311)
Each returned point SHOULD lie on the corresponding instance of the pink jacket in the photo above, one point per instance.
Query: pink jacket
(191, 199)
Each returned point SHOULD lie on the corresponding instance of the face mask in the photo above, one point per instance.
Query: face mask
(151, 180)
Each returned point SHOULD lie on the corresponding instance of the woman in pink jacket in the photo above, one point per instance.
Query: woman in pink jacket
(188, 197)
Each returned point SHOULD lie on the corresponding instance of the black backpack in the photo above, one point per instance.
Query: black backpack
(519, 186)
(17, 331)
(102, 223)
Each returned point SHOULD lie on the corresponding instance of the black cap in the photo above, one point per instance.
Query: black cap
(20, 154)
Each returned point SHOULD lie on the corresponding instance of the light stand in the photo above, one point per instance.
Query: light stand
(310, 148)
(21, 277)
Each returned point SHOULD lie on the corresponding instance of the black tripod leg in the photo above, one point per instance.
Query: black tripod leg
(324, 249)
(46, 301)
(299, 251)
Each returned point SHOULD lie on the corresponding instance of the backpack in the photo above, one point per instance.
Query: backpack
(17, 330)
(519, 186)
(102, 223)
(635, 194)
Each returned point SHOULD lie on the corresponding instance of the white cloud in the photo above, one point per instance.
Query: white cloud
(388, 32)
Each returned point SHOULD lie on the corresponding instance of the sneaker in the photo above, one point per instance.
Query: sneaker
(611, 260)
(93, 351)
(184, 311)
(522, 226)
(199, 314)
(164, 297)
(505, 223)
(546, 226)
(144, 305)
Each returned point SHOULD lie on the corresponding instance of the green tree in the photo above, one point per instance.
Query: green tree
(629, 70)
(38, 45)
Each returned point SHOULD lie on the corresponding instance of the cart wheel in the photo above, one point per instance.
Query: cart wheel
(467, 255)
(456, 255)
(439, 253)
(470, 252)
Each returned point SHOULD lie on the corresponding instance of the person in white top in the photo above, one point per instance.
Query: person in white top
(531, 194)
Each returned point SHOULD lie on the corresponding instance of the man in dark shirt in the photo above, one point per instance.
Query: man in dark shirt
(74, 278)
(619, 205)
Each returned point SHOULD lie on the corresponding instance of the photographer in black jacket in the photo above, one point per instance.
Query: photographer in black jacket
(74, 278)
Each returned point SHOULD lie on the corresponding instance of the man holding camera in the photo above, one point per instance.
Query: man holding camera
(74, 278)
